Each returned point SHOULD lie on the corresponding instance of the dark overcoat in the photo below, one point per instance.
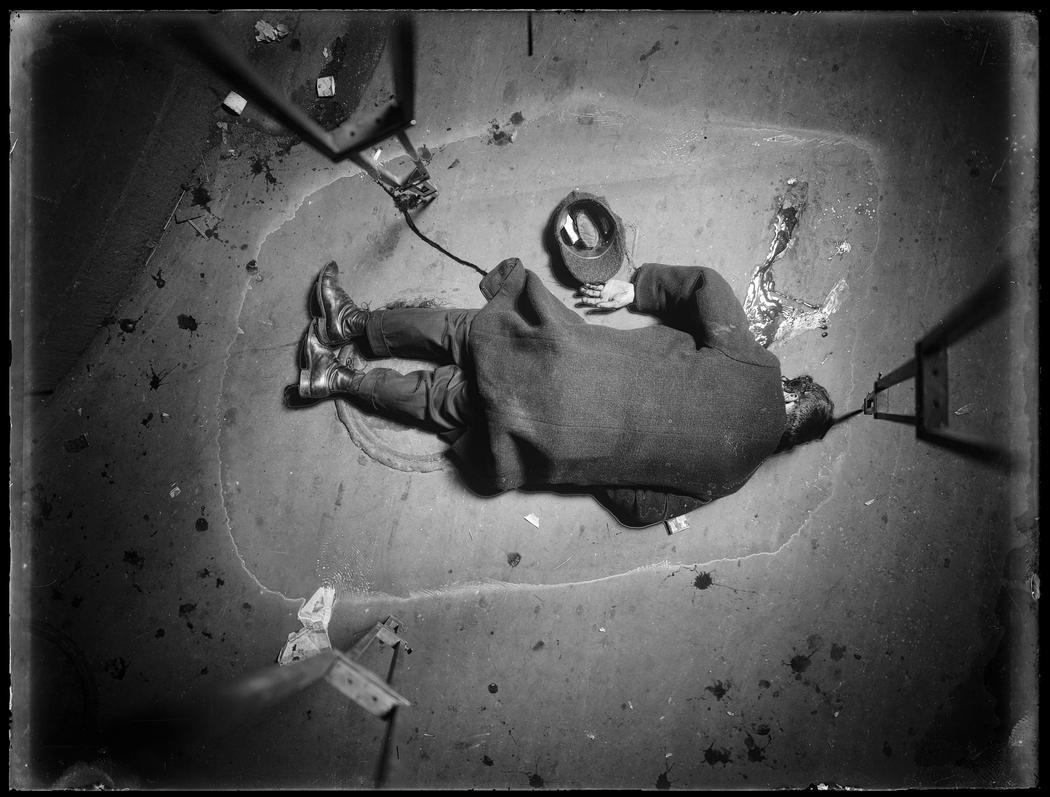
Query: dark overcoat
(653, 421)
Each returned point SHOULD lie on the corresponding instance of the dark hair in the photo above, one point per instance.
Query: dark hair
(812, 415)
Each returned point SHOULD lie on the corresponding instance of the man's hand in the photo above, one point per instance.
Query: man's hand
(611, 295)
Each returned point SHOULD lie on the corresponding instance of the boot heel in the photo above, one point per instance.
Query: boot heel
(304, 384)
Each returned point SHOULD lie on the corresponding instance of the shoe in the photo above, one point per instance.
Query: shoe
(321, 374)
(341, 320)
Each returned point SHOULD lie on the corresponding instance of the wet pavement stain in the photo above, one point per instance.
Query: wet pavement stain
(261, 165)
(133, 557)
(128, 324)
(662, 781)
(201, 197)
(717, 755)
(837, 651)
(652, 51)
(155, 379)
(535, 780)
(117, 668)
(187, 322)
(185, 610)
(718, 689)
(799, 664)
(159, 634)
(201, 524)
(754, 751)
(703, 581)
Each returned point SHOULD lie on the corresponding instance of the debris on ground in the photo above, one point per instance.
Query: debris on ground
(505, 134)
(312, 638)
(174, 491)
(235, 102)
(965, 409)
(265, 32)
(533, 519)
(326, 86)
(844, 249)
(676, 524)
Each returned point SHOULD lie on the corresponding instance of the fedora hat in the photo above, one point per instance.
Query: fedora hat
(590, 237)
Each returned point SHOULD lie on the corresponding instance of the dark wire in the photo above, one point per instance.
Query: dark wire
(415, 229)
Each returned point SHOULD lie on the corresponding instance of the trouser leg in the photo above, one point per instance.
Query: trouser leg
(438, 335)
(441, 400)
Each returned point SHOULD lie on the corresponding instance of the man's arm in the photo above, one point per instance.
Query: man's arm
(695, 299)
(639, 507)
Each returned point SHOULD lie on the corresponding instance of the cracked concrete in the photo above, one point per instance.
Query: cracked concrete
(857, 614)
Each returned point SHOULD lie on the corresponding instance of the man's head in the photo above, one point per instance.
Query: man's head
(809, 409)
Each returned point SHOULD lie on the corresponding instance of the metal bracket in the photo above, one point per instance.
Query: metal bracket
(929, 369)
(359, 683)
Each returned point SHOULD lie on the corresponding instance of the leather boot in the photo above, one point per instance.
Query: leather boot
(341, 320)
(321, 373)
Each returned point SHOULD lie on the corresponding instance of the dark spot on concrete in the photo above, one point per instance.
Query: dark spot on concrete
(203, 573)
(134, 558)
(838, 651)
(230, 417)
(535, 780)
(538, 645)
(493, 688)
(202, 524)
(487, 761)
(246, 606)
(77, 600)
(117, 667)
(261, 165)
(716, 755)
(157, 278)
(754, 751)
(187, 322)
(76, 444)
(454, 164)
(799, 663)
(662, 782)
(513, 559)
(517, 118)
(159, 634)
(128, 324)
(204, 670)
(201, 197)
(296, 45)
(834, 67)
(655, 48)
(762, 730)
(814, 641)
(186, 609)
(764, 684)
(886, 749)
(147, 419)
(219, 582)
(947, 562)
(718, 689)
(703, 581)
(251, 266)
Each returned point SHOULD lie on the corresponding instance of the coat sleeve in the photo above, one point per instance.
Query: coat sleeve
(697, 300)
(640, 507)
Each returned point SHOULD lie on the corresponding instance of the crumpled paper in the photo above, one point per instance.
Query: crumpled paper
(265, 32)
(312, 638)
